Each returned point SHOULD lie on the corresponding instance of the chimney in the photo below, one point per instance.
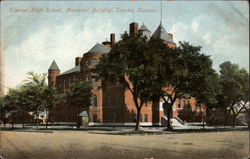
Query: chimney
(133, 29)
(78, 61)
(112, 39)
(171, 35)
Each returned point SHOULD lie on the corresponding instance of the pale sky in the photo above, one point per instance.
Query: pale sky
(32, 40)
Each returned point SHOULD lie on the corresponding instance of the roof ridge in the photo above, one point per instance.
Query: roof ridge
(99, 48)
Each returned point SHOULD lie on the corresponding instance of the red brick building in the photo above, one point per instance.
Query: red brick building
(112, 105)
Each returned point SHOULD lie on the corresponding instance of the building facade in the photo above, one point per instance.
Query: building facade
(112, 105)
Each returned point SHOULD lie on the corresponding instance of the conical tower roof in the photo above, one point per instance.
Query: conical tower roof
(144, 28)
(54, 66)
(161, 33)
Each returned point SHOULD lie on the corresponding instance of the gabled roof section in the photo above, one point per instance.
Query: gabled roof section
(99, 48)
(54, 66)
(161, 33)
(72, 70)
(144, 28)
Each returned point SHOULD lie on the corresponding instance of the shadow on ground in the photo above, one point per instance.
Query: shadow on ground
(117, 131)
(160, 132)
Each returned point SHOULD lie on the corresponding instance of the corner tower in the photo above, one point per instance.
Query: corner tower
(143, 31)
(53, 72)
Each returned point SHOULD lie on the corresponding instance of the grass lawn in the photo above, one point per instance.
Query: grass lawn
(127, 145)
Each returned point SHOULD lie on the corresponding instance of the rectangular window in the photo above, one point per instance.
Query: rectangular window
(85, 63)
(93, 82)
(94, 101)
(145, 117)
(94, 117)
(95, 62)
(110, 101)
(140, 117)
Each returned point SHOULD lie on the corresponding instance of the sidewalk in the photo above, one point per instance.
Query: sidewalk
(185, 128)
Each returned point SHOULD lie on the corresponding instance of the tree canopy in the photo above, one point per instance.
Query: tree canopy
(79, 96)
(234, 88)
(149, 69)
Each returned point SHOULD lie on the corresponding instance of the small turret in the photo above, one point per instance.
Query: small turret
(53, 71)
(143, 31)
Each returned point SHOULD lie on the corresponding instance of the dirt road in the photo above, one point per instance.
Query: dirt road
(115, 145)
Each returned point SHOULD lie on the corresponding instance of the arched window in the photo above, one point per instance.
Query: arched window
(94, 101)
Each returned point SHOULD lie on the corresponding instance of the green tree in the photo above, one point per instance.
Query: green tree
(182, 72)
(34, 100)
(36, 78)
(3, 110)
(234, 89)
(35, 89)
(134, 62)
(150, 70)
(51, 99)
(11, 104)
(79, 96)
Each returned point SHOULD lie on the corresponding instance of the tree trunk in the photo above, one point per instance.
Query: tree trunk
(226, 117)
(23, 118)
(234, 121)
(4, 121)
(203, 124)
(12, 121)
(138, 118)
(169, 125)
(77, 118)
(46, 120)
(36, 120)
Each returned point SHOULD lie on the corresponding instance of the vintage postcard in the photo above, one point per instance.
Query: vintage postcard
(135, 79)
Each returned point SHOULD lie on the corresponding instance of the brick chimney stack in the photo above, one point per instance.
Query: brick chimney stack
(78, 61)
(133, 28)
(112, 39)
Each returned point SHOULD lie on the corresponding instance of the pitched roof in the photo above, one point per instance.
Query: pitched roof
(161, 33)
(144, 28)
(72, 70)
(99, 48)
(54, 66)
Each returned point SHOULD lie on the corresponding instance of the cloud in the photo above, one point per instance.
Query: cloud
(223, 42)
(62, 42)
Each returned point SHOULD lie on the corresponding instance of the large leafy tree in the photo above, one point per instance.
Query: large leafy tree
(234, 89)
(79, 96)
(11, 103)
(50, 99)
(192, 76)
(135, 62)
(34, 100)
(38, 96)
(150, 70)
